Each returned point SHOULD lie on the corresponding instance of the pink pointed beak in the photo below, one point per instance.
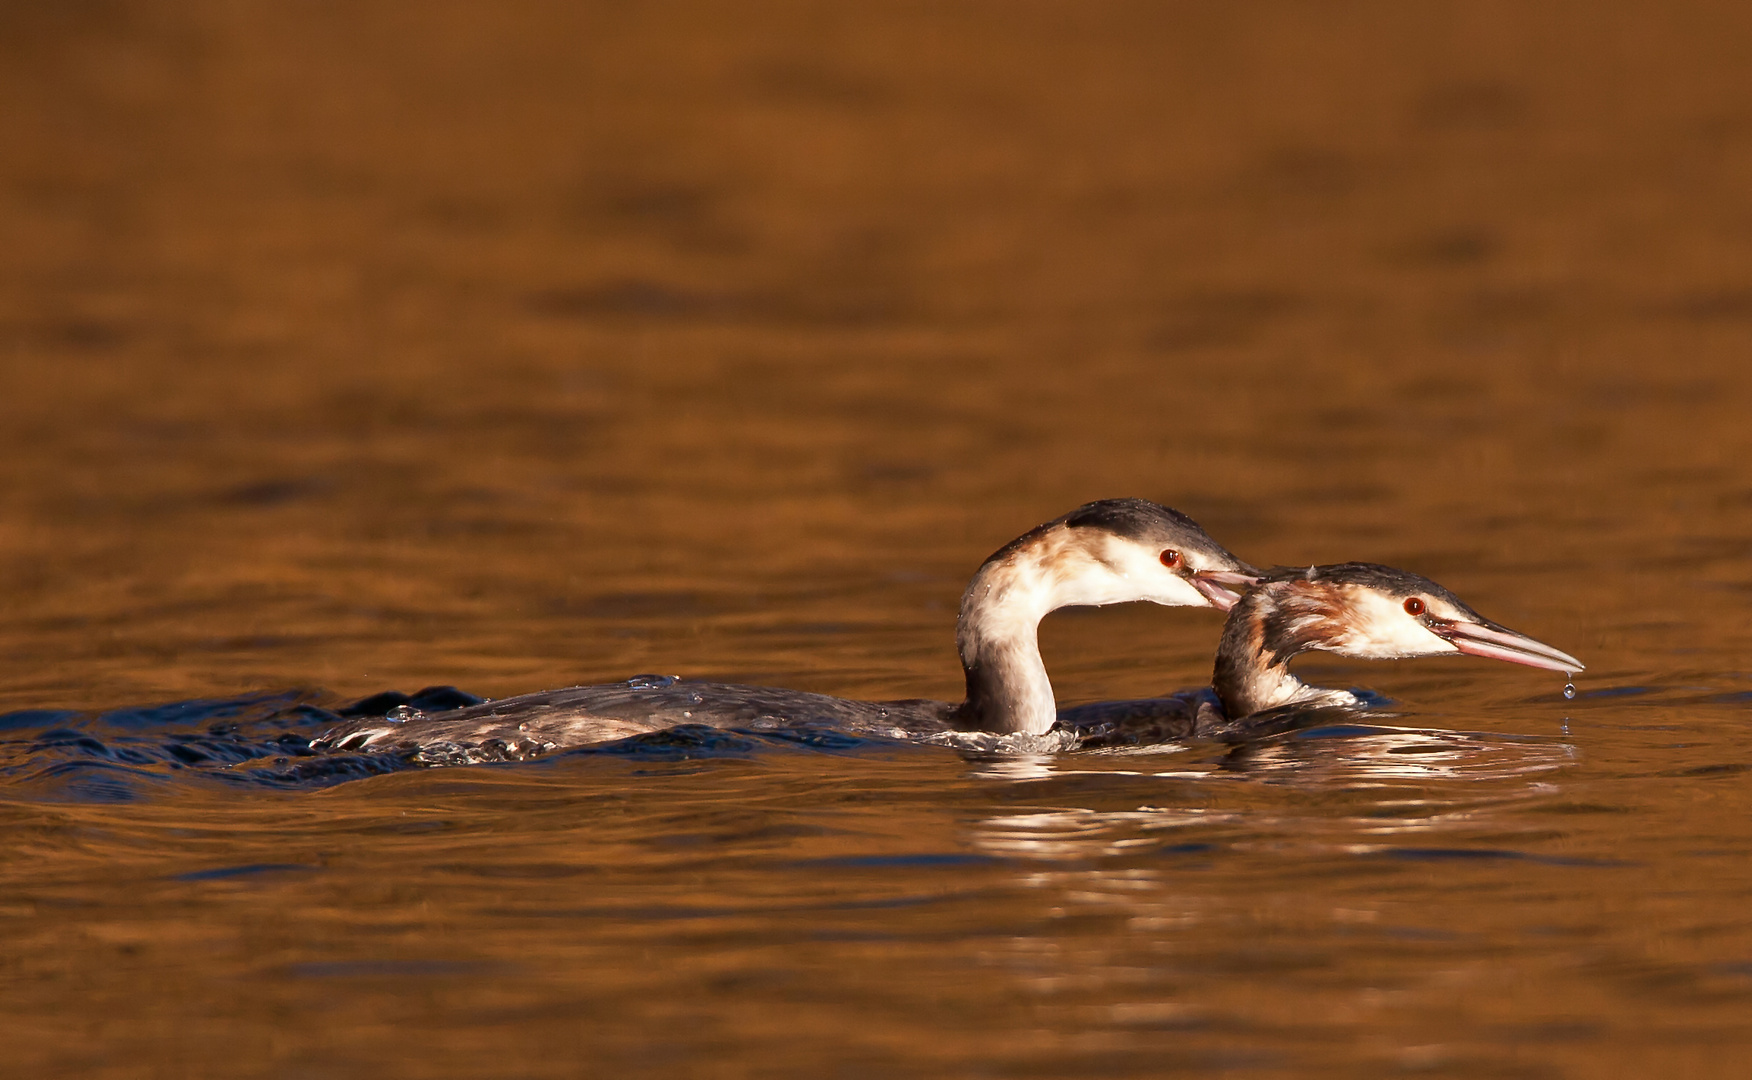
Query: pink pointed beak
(1215, 586)
(1500, 643)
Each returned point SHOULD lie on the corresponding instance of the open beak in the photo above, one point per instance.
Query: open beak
(1501, 643)
(1216, 586)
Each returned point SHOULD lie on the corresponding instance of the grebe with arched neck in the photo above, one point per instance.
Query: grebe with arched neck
(1107, 552)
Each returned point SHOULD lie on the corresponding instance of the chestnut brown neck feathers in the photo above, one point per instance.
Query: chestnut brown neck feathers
(1273, 623)
(1348, 608)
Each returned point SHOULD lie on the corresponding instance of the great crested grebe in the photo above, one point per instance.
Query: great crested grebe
(1107, 552)
(1353, 609)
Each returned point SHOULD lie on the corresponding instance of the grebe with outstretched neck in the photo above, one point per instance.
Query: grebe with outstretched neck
(1107, 552)
(1353, 609)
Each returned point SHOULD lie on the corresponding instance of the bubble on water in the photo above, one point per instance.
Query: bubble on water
(401, 714)
(1569, 691)
(651, 682)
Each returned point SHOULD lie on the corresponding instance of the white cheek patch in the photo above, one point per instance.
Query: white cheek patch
(1124, 573)
(1153, 581)
(1378, 627)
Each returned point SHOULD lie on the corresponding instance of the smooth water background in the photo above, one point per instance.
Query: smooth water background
(352, 347)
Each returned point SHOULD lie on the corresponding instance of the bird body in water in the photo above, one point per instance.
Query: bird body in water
(1107, 552)
(1362, 610)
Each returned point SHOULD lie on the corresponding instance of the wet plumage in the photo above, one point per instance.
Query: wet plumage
(1106, 552)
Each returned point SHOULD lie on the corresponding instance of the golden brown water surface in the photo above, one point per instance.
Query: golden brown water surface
(349, 347)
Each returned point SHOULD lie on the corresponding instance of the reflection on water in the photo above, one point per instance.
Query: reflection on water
(1070, 834)
(1146, 903)
(1391, 768)
(1353, 755)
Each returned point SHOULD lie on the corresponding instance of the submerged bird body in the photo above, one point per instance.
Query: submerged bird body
(532, 725)
(1362, 610)
(1106, 552)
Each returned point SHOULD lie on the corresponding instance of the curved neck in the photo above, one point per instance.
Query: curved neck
(997, 635)
(1056, 565)
(1269, 627)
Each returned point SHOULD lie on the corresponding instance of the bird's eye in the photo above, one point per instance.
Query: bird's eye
(1171, 558)
(1414, 606)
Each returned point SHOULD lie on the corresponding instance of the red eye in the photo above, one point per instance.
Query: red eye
(1414, 606)
(1171, 559)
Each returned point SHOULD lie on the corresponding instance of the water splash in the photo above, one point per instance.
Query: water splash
(1014, 743)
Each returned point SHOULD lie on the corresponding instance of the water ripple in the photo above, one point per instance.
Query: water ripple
(263, 739)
